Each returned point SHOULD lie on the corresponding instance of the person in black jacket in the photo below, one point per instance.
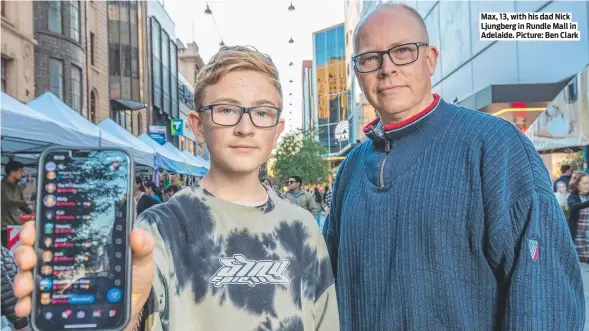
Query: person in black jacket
(142, 200)
(7, 272)
(578, 203)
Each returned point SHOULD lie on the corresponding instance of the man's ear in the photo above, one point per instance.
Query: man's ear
(196, 125)
(279, 129)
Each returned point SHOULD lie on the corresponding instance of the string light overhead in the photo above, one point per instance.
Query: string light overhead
(291, 7)
(291, 41)
(208, 11)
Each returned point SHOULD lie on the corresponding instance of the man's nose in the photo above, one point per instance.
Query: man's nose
(388, 66)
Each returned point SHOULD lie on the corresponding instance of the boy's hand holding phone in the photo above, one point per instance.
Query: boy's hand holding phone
(142, 271)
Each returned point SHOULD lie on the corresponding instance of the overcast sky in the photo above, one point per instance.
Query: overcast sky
(264, 24)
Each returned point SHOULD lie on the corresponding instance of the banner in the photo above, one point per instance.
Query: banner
(158, 134)
(565, 123)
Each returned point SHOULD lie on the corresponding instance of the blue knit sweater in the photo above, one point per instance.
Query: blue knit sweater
(448, 222)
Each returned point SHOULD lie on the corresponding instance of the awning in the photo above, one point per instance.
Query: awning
(509, 93)
(565, 123)
(125, 104)
(142, 153)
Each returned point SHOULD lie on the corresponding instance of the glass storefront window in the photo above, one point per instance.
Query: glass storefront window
(56, 74)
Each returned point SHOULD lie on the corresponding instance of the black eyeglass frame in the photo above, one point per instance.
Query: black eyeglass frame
(244, 110)
(388, 51)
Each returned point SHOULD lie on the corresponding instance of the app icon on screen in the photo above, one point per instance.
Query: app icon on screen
(50, 187)
(47, 256)
(45, 298)
(50, 201)
(45, 284)
(51, 175)
(48, 228)
(50, 166)
(49, 215)
(46, 270)
(114, 295)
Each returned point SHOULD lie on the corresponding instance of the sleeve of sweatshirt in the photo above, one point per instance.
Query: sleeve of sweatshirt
(154, 311)
(326, 310)
(528, 244)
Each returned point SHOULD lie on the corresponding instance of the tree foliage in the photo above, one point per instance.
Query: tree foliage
(300, 154)
(575, 161)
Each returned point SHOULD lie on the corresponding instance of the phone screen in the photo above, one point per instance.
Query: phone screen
(83, 230)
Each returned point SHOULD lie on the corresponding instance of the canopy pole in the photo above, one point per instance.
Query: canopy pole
(585, 158)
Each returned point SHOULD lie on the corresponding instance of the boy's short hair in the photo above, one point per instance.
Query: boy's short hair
(235, 58)
(12, 166)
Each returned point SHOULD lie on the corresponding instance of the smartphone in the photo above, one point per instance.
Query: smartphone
(84, 217)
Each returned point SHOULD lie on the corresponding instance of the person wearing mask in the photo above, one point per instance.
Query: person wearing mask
(578, 203)
(143, 201)
(566, 171)
(444, 218)
(13, 203)
(228, 254)
(299, 196)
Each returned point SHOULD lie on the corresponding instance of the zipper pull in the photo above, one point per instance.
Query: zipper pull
(387, 146)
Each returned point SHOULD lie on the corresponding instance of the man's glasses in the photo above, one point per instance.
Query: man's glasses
(399, 55)
(230, 115)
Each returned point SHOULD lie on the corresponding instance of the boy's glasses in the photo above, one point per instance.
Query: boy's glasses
(230, 115)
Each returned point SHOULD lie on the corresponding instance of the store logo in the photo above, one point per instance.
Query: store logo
(341, 131)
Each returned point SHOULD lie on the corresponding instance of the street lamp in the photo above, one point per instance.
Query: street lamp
(291, 7)
(208, 11)
(291, 41)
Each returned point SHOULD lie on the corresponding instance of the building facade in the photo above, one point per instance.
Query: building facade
(329, 88)
(189, 61)
(498, 77)
(18, 50)
(163, 69)
(60, 53)
(97, 78)
(308, 103)
(128, 69)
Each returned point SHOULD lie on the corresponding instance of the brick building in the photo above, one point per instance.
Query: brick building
(18, 45)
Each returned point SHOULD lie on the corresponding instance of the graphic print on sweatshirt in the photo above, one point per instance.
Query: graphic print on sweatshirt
(224, 266)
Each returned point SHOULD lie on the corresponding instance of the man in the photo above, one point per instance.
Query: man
(143, 201)
(13, 201)
(229, 254)
(566, 171)
(444, 219)
(299, 196)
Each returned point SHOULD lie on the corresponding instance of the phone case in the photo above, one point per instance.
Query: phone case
(130, 222)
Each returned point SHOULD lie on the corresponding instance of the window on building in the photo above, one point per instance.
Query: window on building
(3, 73)
(91, 48)
(75, 20)
(56, 74)
(55, 24)
(76, 88)
(157, 64)
(125, 119)
(93, 106)
(166, 72)
(3, 3)
(175, 111)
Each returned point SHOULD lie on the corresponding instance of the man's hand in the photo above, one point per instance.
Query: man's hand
(142, 244)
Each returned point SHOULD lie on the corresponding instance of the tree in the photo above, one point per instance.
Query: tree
(575, 161)
(300, 154)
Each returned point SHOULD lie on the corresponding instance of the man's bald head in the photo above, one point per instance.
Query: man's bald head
(389, 7)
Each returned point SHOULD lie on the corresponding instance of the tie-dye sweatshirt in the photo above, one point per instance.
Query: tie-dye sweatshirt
(225, 266)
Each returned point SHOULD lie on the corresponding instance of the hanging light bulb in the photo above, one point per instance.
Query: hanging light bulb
(291, 7)
(290, 94)
(290, 81)
(291, 41)
(291, 64)
(208, 11)
(222, 43)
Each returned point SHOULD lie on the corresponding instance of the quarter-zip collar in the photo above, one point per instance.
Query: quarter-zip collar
(394, 131)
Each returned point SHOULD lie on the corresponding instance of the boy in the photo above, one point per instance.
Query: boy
(228, 254)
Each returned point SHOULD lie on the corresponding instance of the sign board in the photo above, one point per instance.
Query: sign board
(177, 126)
(341, 131)
(158, 134)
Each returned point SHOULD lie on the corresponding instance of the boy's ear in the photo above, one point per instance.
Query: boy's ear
(196, 124)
